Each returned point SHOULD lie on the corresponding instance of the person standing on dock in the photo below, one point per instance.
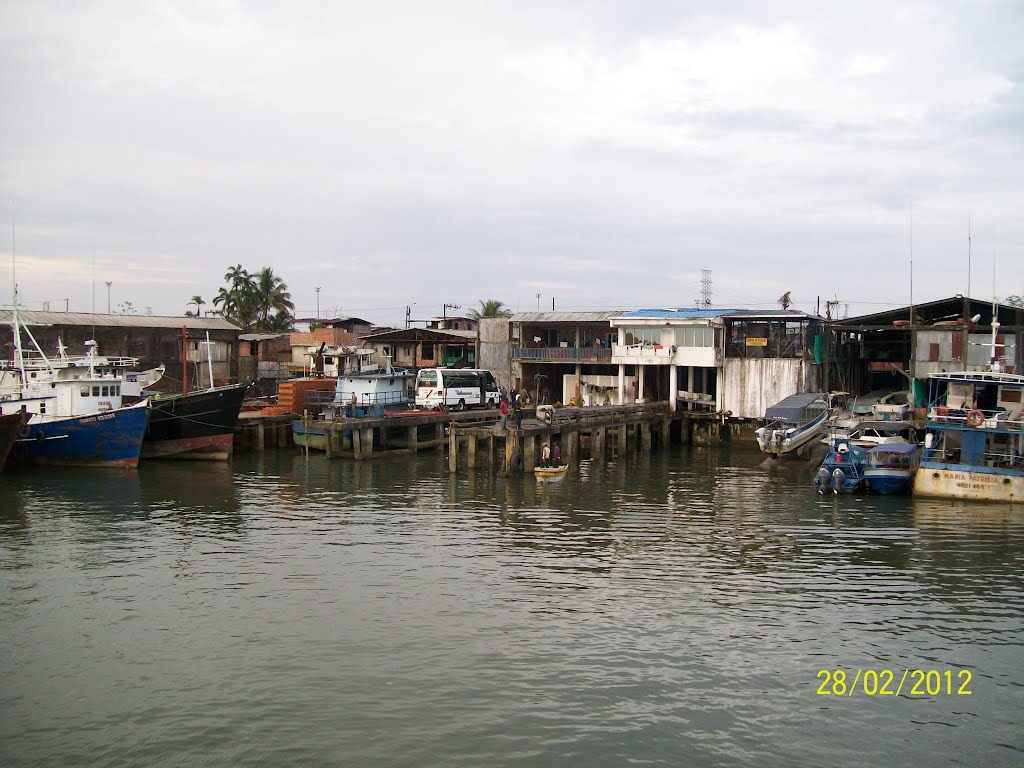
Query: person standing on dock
(504, 413)
(556, 455)
(519, 412)
(545, 456)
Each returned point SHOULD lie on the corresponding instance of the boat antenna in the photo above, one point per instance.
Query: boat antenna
(993, 362)
(911, 265)
(968, 252)
(19, 357)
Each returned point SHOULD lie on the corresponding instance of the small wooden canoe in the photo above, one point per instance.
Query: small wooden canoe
(551, 473)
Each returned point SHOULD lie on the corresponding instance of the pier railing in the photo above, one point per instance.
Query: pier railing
(558, 354)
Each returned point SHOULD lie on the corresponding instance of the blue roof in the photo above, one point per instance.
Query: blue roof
(894, 448)
(679, 313)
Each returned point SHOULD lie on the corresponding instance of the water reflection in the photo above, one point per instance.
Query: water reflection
(640, 610)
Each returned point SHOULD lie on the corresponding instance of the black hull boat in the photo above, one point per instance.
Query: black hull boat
(199, 425)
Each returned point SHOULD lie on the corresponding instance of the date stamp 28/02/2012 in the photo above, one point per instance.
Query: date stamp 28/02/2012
(888, 682)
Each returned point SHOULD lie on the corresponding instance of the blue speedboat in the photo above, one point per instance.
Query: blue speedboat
(842, 470)
(891, 467)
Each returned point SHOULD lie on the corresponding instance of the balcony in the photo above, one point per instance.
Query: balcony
(656, 354)
(562, 354)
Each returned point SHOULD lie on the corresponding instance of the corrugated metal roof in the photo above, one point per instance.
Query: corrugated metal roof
(793, 313)
(34, 317)
(566, 317)
(261, 336)
(682, 312)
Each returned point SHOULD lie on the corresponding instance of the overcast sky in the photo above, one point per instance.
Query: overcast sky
(600, 154)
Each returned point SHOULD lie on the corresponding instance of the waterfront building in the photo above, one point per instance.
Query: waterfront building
(153, 339)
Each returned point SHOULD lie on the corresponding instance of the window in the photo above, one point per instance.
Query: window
(427, 350)
(695, 336)
(96, 391)
(645, 336)
(84, 391)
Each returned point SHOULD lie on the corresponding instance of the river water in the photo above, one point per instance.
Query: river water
(676, 609)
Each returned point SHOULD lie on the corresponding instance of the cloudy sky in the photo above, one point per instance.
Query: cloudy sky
(600, 154)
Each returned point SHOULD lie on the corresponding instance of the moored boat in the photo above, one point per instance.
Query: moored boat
(73, 406)
(842, 470)
(9, 426)
(974, 440)
(891, 467)
(370, 392)
(111, 438)
(197, 425)
(793, 422)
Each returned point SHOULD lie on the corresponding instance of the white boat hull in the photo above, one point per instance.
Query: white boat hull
(973, 484)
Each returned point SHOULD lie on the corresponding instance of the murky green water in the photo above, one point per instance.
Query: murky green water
(674, 610)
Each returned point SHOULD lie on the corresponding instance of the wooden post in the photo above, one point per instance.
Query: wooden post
(622, 437)
(471, 452)
(529, 452)
(645, 436)
(490, 450)
(368, 443)
(666, 431)
(410, 438)
(453, 449)
(597, 440)
(357, 444)
(574, 446)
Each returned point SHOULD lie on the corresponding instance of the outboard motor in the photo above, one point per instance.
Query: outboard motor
(822, 480)
(838, 480)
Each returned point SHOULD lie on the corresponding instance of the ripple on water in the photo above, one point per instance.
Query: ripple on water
(276, 611)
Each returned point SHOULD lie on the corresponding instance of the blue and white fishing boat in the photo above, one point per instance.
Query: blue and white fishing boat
(368, 393)
(891, 467)
(974, 439)
(73, 406)
(842, 470)
(793, 422)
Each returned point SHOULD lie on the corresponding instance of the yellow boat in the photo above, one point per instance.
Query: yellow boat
(551, 473)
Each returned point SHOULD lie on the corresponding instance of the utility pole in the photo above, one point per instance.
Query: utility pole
(109, 283)
(538, 302)
(317, 302)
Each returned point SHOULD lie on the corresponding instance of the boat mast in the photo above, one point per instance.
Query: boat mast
(209, 357)
(993, 362)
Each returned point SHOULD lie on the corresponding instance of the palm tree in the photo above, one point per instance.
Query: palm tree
(270, 294)
(490, 308)
(198, 301)
(281, 321)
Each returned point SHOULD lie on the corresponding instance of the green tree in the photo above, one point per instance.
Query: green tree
(270, 296)
(1015, 301)
(198, 301)
(490, 308)
(255, 301)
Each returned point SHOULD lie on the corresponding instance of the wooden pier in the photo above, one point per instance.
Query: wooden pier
(475, 438)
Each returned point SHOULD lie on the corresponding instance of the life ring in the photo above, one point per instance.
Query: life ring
(515, 461)
(975, 418)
